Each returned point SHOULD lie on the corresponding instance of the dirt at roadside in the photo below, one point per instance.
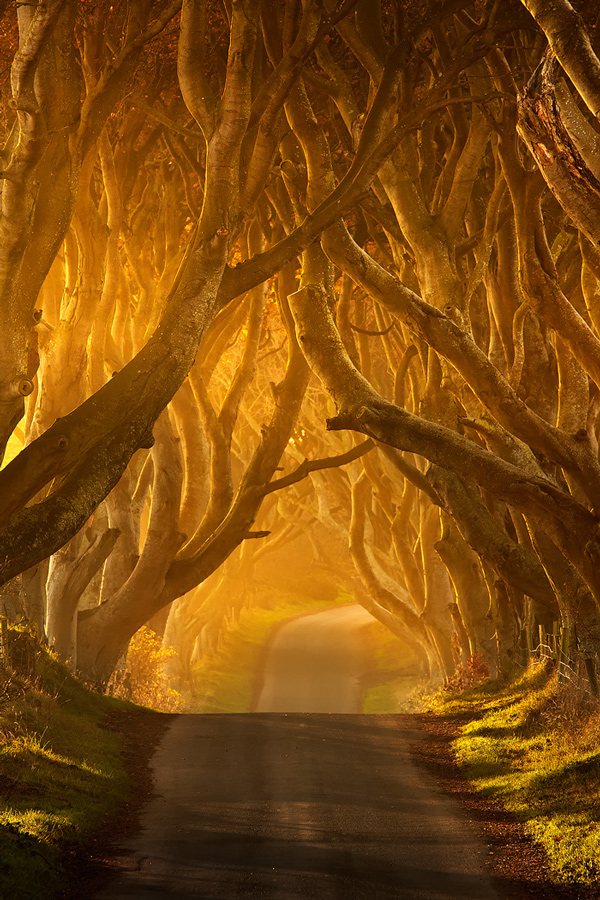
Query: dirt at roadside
(90, 864)
(518, 866)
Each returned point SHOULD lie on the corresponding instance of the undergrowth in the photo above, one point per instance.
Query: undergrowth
(536, 745)
(60, 774)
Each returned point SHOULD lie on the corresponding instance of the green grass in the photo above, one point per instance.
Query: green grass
(225, 681)
(536, 746)
(61, 774)
(393, 679)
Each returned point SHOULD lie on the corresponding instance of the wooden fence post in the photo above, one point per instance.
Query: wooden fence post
(590, 668)
(3, 638)
(564, 653)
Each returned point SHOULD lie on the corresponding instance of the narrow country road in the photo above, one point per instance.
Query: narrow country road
(300, 805)
(315, 663)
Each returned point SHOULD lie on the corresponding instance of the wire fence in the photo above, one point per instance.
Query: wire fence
(574, 667)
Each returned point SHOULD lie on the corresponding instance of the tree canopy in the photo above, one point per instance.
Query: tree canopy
(320, 271)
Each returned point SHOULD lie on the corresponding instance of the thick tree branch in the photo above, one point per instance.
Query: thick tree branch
(362, 409)
(564, 170)
(195, 86)
(459, 348)
(132, 400)
(570, 42)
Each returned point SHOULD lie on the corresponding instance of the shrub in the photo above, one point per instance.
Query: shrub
(143, 680)
(476, 672)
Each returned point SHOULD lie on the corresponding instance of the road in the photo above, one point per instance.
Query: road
(315, 663)
(300, 805)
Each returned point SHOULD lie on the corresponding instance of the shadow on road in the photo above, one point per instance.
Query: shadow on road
(300, 806)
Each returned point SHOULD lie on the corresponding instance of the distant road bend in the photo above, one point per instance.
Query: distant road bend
(315, 663)
(298, 805)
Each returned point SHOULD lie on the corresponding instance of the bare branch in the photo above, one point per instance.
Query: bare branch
(97, 92)
(159, 116)
(195, 87)
(371, 333)
(308, 466)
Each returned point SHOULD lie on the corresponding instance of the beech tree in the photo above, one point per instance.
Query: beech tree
(270, 268)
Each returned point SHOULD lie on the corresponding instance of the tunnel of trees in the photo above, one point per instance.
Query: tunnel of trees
(306, 270)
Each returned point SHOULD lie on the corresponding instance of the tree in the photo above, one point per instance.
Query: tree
(404, 202)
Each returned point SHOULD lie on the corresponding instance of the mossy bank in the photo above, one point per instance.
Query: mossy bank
(535, 745)
(62, 774)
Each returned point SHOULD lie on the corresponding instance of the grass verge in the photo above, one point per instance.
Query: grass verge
(536, 746)
(61, 775)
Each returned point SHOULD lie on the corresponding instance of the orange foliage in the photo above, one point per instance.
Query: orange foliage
(474, 673)
(143, 680)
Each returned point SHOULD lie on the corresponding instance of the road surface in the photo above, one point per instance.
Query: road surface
(303, 805)
(298, 806)
(315, 663)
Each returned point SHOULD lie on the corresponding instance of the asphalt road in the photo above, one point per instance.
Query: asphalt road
(299, 805)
